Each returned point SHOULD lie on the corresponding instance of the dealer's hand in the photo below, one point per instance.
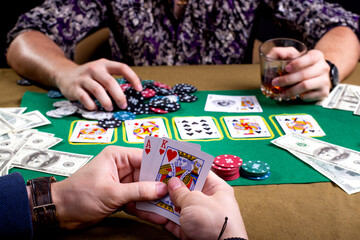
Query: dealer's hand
(308, 76)
(80, 82)
(101, 187)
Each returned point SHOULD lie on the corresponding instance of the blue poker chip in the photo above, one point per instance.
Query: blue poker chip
(124, 115)
(54, 94)
(263, 177)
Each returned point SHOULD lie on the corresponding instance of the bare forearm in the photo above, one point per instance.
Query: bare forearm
(34, 56)
(341, 46)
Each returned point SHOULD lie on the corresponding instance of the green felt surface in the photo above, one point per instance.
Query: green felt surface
(339, 126)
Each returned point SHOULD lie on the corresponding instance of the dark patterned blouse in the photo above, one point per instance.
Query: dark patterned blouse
(145, 32)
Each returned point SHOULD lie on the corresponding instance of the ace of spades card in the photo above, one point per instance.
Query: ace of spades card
(91, 132)
(175, 159)
(303, 124)
(227, 103)
(138, 129)
(247, 127)
(197, 128)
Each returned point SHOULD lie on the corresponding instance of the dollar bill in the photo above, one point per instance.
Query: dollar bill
(36, 119)
(349, 181)
(15, 110)
(49, 161)
(14, 120)
(357, 109)
(8, 149)
(342, 97)
(320, 150)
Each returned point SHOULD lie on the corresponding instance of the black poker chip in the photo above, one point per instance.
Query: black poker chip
(24, 82)
(171, 107)
(184, 88)
(109, 122)
(187, 98)
(159, 102)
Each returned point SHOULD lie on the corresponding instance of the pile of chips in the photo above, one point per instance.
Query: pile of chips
(227, 167)
(255, 170)
(155, 98)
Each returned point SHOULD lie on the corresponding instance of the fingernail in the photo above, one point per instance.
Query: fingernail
(174, 184)
(123, 106)
(288, 68)
(139, 87)
(161, 189)
(275, 82)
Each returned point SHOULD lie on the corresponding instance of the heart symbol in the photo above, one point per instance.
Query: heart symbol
(147, 150)
(171, 154)
(161, 151)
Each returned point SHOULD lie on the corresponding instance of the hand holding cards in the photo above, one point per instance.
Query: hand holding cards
(163, 159)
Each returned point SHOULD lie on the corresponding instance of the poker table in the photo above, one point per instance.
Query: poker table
(295, 202)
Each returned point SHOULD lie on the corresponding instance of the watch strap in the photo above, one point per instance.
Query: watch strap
(43, 210)
(333, 75)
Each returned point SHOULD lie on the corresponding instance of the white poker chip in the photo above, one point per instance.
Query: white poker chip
(52, 114)
(62, 103)
(97, 115)
(66, 110)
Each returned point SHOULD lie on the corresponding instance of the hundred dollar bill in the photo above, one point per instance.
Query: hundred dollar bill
(49, 161)
(342, 97)
(357, 109)
(8, 149)
(348, 180)
(15, 110)
(14, 120)
(36, 119)
(323, 151)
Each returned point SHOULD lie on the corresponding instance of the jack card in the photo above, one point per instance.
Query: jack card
(247, 127)
(91, 132)
(301, 124)
(138, 129)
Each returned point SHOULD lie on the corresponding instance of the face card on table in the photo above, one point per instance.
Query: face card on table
(247, 127)
(176, 159)
(225, 103)
(91, 132)
(138, 129)
(300, 124)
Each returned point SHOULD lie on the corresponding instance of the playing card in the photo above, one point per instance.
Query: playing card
(91, 132)
(189, 164)
(247, 127)
(301, 124)
(226, 103)
(197, 127)
(138, 129)
(151, 144)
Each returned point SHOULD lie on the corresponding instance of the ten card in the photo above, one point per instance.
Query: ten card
(91, 132)
(247, 127)
(176, 159)
(138, 129)
(225, 103)
(300, 124)
(197, 127)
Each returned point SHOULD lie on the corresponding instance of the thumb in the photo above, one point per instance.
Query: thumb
(141, 191)
(177, 191)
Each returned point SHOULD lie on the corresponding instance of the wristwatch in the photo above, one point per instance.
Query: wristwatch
(333, 74)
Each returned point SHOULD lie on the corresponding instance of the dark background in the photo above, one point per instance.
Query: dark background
(10, 11)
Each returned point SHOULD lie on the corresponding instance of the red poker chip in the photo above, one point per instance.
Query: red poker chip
(162, 85)
(231, 178)
(224, 169)
(158, 110)
(227, 160)
(148, 93)
(125, 86)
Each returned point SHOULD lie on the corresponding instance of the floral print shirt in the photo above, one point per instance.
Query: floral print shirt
(146, 32)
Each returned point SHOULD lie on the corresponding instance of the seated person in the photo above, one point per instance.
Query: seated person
(176, 32)
(109, 182)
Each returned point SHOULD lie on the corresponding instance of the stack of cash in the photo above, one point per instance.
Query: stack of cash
(344, 97)
(341, 165)
(22, 146)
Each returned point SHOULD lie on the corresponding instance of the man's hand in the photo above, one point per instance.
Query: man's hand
(202, 214)
(107, 183)
(95, 79)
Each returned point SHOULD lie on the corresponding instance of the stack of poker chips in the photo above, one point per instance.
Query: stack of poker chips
(255, 170)
(227, 167)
